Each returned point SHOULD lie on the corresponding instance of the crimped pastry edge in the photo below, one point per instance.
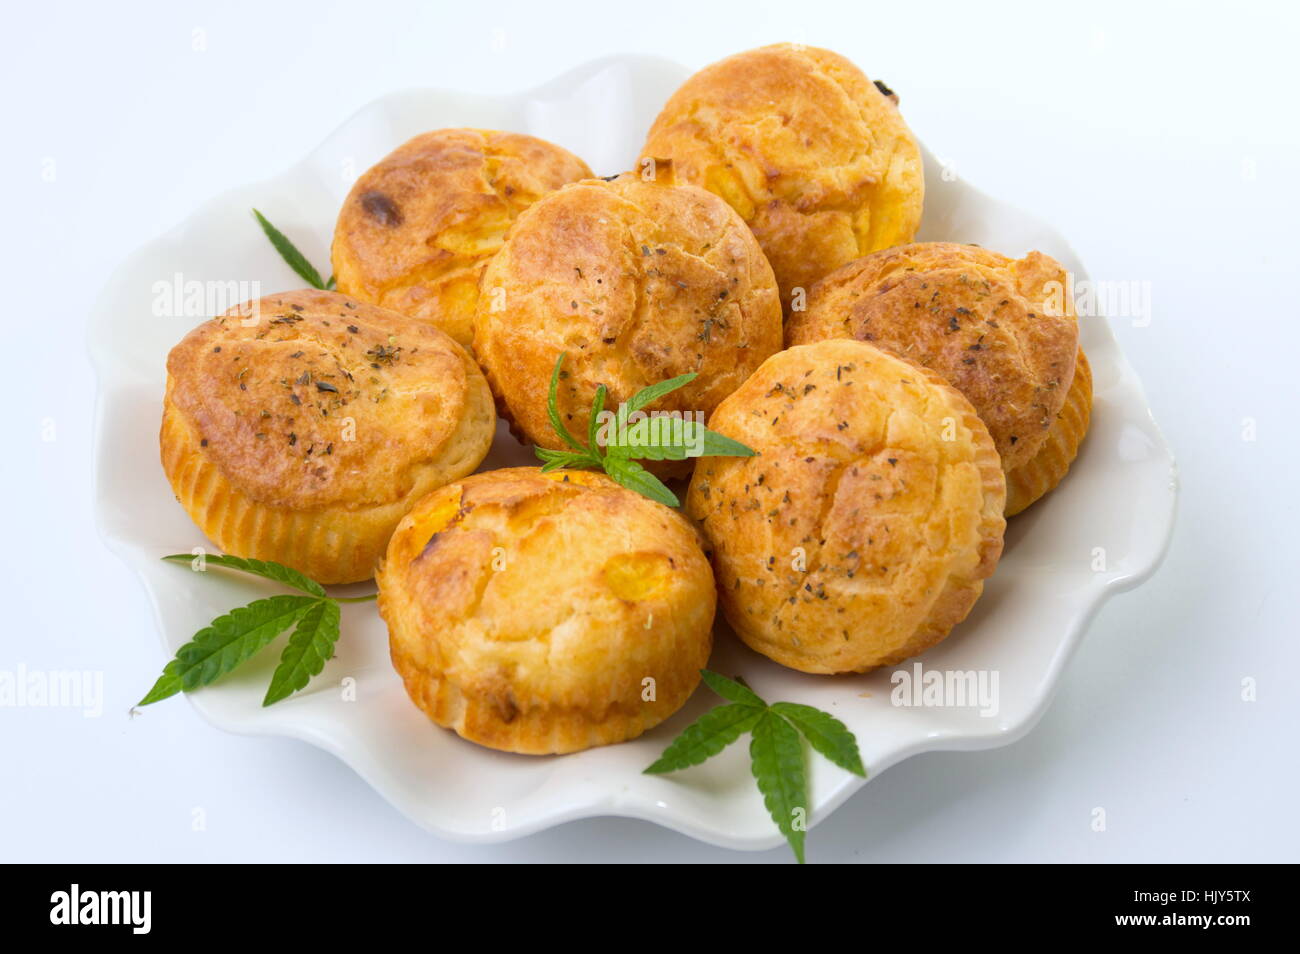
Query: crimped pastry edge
(1033, 480)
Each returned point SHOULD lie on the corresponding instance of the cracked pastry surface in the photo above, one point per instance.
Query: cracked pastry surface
(546, 613)
(811, 153)
(635, 282)
(863, 530)
(998, 329)
(417, 229)
(301, 427)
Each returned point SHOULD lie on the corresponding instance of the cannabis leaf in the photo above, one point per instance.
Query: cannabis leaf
(655, 437)
(776, 759)
(706, 737)
(824, 733)
(635, 477)
(776, 752)
(226, 642)
(272, 571)
(292, 257)
(309, 648)
(231, 639)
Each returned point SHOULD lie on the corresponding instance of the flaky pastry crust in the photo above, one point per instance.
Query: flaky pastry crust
(546, 613)
(301, 427)
(634, 282)
(863, 530)
(417, 229)
(811, 153)
(985, 322)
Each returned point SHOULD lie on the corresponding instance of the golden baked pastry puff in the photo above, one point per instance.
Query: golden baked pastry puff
(300, 428)
(863, 530)
(985, 322)
(546, 613)
(635, 282)
(812, 154)
(418, 227)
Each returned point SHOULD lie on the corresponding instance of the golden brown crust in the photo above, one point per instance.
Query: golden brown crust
(809, 151)
(527, 611)
(980, 319)
(635, 282)
(1030, 481)
(301, 427)
(865, 527)
(417, 229)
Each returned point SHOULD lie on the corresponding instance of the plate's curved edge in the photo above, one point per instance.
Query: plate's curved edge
(610, 806)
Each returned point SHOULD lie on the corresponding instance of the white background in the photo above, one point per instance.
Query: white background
(1161, 139)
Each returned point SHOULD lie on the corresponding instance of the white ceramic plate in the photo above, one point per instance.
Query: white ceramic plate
(1118, 501)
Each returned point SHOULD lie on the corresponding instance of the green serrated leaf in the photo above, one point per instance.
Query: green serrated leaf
(706, 737)
(308, 649)
(168, 684)
(264, 568)
(289, 252)
(553, 410)
(825, 733)
(555, 460)
(593, 422)
(720, 445)
(635, 477)
(777, 761)
(669, 437)
(648, 395)
(656, 438)
(732, 690)
(227, 641)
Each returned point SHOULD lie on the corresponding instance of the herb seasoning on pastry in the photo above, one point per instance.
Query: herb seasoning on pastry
(546, 613)
(863, 530)
(300, 428)
(987, 324)
(418, 228)
(635, 282)
(812, 154)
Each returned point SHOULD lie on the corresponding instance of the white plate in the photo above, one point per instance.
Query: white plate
(1118, 501)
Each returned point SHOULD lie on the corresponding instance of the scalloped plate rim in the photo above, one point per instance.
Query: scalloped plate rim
(611, 804)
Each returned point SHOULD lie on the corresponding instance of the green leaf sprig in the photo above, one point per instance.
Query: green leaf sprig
(775, 749)
(292, 257)
(663, 438)
(237, 636)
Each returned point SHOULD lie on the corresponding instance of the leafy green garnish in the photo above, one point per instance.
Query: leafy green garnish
(231, 639)
(292, 257)
(775, 751)
(308, 649)
(706, 737)
(271, 571)
(776, 759)
(824, 733)
(661, 437)
(635, 477)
